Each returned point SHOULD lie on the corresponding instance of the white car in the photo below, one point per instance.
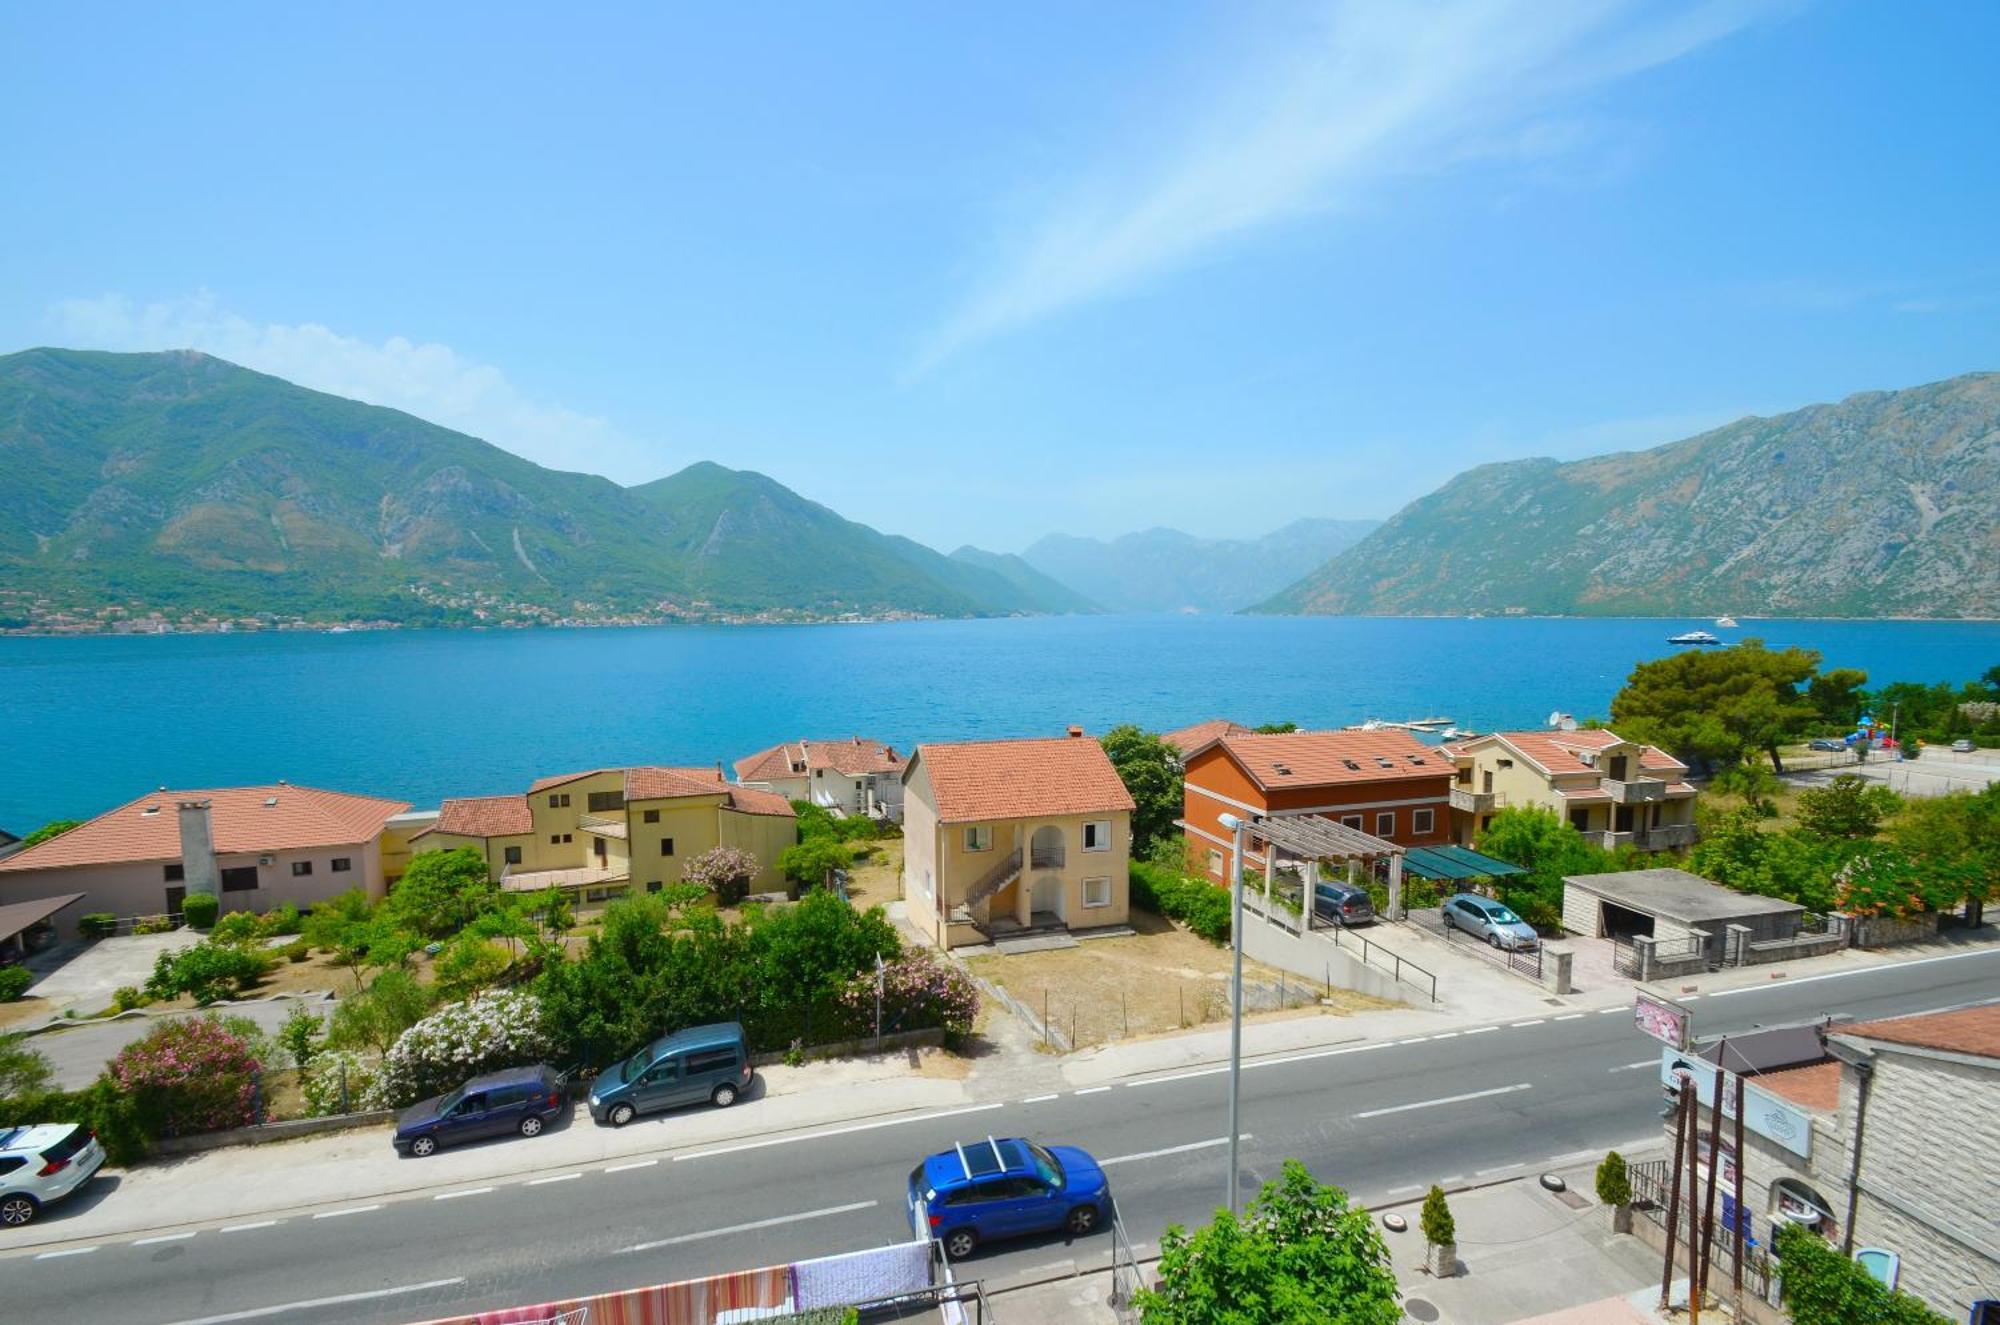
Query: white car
(43, 1163)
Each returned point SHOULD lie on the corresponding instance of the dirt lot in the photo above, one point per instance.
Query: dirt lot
(877, 879)
(1159, 979)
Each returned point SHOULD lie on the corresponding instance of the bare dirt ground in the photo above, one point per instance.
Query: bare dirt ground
(877, 879)
(1158, 979)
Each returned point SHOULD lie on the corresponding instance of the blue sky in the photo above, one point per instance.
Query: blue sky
(978, 273)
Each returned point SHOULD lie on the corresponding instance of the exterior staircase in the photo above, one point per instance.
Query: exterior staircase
(1004, 872)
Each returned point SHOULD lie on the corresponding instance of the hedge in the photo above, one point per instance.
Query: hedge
(1196, 903)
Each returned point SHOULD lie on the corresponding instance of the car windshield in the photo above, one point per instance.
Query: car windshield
(629, 1070)
(1502, 915)
(1046, 1166)
(450, 1102)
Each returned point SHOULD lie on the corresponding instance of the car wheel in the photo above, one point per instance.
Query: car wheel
(622, 1114)
(18, 1209)
(1081, 1221)
(532, 1125)
(1493, 939)
(960, 1243)
(725, 1095)
(424, 1145)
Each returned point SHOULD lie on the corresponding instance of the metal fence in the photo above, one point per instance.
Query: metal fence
(1374, 954)
(1126, 1277)
(1525, 963)
(1649, 1180)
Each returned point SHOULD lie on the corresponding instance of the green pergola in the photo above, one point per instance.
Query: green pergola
(1450, 864)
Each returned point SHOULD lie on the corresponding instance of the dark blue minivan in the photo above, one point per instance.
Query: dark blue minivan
(981, 1190)
(518, 1101)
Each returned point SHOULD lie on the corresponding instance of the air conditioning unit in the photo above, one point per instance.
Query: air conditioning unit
(267, 860)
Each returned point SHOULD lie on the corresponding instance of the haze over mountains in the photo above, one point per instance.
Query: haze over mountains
(1165, 570)
(1885, 504)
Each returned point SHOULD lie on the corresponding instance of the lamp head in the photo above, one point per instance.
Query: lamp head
(1230, 821)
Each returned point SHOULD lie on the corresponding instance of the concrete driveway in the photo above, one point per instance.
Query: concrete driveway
(1937, 772)
(78, 1055)
(87, 980)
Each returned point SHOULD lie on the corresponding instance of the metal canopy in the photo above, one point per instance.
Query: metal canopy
(1314, 838)
(1450, 863)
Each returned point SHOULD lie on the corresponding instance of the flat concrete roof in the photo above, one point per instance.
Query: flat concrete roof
(1677, 895)
(17, 916)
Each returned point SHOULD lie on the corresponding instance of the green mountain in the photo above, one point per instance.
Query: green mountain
(1165, 570)
(1050, 595)
(179, 482)
(1885, 504)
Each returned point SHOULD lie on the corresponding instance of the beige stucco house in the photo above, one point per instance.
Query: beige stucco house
(1614, 791)
(603, 832)
(256, 848)
(853, 777)
(1005, 836)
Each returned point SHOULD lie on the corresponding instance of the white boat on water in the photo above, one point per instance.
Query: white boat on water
(1693, 637)
(1725, 622)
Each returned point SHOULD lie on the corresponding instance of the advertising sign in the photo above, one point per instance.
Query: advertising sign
(1763, 1113)
(1665, 1021)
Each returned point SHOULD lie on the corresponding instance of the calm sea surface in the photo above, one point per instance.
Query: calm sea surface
(89, 723)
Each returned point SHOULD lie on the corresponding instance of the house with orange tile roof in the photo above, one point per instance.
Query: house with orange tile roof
(1385, 784)
(1614, 791)
(604, 832)
(1876, 1135)
(255, 848)
(1196, 735)
(1005, 837)
(849, 777)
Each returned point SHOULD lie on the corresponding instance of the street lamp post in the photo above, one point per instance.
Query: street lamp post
(1236, 826)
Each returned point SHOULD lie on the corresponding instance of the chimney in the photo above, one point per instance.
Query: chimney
(1075, 731)
(198, 849)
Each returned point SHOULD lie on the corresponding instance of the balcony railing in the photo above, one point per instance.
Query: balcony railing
(1636, 793)
(603, 825)
(1476, 802)
(1046, 858)
(1666, 837)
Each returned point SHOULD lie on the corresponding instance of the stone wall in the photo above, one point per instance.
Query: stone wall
(1886, 931)
(1581, 912)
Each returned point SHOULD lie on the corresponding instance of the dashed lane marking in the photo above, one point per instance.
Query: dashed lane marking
(636, 1164)
(245, 1228)
(66, 1251)
(164, 1237)
(560, 1177)
(1093, 1090)
(351, 1210)
(1448, 1099)
(291, 1308)
(1170, 1150)
(1041, 1099)
(469, 1191)
(754, 1224)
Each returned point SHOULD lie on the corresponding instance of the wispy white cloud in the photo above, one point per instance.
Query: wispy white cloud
(1321, 117)
(429, 380)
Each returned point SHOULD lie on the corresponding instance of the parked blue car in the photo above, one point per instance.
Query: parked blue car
(519, 1100)
(990, 1189)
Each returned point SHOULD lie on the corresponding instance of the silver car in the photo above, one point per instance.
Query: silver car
(43, 1162)
(1484, 918)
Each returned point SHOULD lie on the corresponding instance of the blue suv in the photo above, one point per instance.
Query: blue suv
(1005, 1189)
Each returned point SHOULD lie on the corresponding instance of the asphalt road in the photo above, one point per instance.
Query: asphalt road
(1379, 1119)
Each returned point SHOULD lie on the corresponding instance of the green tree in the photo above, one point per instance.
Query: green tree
(812, 862)
(1440, 1229)
(1848, 808)
(1275, 728)
(725, 871)
(23, 1071)
(1823, 1287)
(1839, 696)
(1954, 840)
(1714, 708)
(358, 934)
(441, 892)
(391, 1004)
(300, 1034)
(53, 828)
(1151, 772)
(1301, 1255)
(1614, 1184)
(1738, 852)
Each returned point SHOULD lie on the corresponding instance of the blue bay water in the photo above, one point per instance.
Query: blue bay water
(91, 722)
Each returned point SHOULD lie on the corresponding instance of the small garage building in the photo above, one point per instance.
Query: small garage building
(1670, 904)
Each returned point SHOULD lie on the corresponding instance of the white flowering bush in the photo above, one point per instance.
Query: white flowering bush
(462, 1040)
(320, 1082)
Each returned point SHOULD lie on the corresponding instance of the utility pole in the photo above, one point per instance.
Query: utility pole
(1683, 1082)
(1698, 1282)
(1736, 1275)
(1237, 827)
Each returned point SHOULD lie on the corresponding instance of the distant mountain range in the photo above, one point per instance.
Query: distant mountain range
(1164, 570)
(177, 482)
(1885, 504)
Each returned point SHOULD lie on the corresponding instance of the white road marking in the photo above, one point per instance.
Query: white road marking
(1605, 1012)
(352, 1210)
(469, 1191)
(1481, 1030)
(1451, 1035)
(1096, 1090)
(243, 1228)
(1179, 1076)
(1170, 1150)
(1571, 1016)
(833, 1131)
(1842, 975)
(1418, 1040)
(288, 1308)
(1446, 1182)
(560, 1177)
(1041, 1099)
(1449, 1099)
(66, 1251)
(755, 1224)
(1634, 1067)
(1408, 1189)
(636, 1164)
(1517, 1025)
(1504, 1168)
(164, 1237)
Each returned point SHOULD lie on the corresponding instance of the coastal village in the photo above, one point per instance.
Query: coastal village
(1042, 909)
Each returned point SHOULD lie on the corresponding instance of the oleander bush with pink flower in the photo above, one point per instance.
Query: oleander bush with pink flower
(190, 1075)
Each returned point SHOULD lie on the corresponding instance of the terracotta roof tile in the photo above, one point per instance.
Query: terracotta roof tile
(1974, 1031)
(852, 756)
(651, 782)
(484, 816)
(1321, 759)
(559, 779)
(1557, 750)
(755, 800)
(779, 761)
(242, 819)
(1815, 1085)
(974, 781)
(1196, 735)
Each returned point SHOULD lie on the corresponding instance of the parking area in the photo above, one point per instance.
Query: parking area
(1934, 773)
(85, 976)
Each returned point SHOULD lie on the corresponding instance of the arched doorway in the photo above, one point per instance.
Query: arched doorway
(1045, 849)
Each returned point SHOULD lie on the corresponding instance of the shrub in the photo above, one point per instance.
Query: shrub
(297, 950)
(207, 971)
(1614, 1186)
(322, 1081)
(725, 871)
(918, 991)
(809, 864)
(236, 927)
(124, 998)
(1440, 1229)
(97, 925)
(1823, 1287)
(379, 1014)
(300, 1034)
(284, 920)
(1196, 903)
(100, 1106)
(198, 910)
(23, 1070)
(153, 925)
(463, 1040)
(467, 965)
(14, 982)
(189, 1075)
(441, 892)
